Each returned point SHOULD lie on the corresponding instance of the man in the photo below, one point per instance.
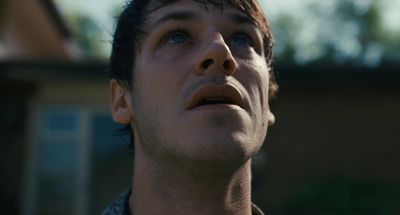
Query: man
(192, 80)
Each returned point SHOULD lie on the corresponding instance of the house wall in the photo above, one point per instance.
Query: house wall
(341, 134)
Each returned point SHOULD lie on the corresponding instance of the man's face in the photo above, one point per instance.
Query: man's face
(200, 88)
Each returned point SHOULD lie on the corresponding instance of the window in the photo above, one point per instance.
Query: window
(76, 161)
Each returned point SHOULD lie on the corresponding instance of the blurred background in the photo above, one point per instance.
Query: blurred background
(333, 150)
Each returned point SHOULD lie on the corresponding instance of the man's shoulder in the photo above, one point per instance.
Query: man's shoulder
(120, 206)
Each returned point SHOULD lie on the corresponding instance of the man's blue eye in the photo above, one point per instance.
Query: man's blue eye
(241, 40)
(175, 38)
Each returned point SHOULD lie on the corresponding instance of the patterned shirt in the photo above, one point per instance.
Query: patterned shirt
(120, 206)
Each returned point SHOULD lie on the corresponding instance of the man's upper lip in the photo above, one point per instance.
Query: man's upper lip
(225, 92)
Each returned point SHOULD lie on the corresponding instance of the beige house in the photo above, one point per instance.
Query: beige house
(33, 30)
(54, 110)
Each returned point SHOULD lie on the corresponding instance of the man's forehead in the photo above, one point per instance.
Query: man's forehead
(155, 4)
(192, 9)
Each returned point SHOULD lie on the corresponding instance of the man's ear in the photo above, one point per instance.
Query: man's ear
(120, 103)
(271, 118)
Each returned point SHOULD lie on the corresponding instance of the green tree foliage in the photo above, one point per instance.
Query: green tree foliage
(333, 31)
(89, 36)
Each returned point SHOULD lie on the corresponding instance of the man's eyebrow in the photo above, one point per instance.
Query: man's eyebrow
(241, 18)
(177, 15)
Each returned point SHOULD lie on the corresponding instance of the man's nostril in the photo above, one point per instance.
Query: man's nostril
(227, 65)
(207, 63)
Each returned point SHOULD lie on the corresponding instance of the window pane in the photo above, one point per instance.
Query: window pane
(58, 160)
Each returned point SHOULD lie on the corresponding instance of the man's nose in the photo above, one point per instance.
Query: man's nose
(216, 57)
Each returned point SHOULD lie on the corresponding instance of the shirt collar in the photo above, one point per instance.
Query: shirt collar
(120, 206)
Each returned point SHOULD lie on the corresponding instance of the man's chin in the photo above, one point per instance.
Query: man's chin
(219, 149)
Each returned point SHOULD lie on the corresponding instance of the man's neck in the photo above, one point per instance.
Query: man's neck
(161, 190)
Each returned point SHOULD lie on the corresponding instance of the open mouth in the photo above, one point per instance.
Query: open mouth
(215, 95)
(215, 101)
